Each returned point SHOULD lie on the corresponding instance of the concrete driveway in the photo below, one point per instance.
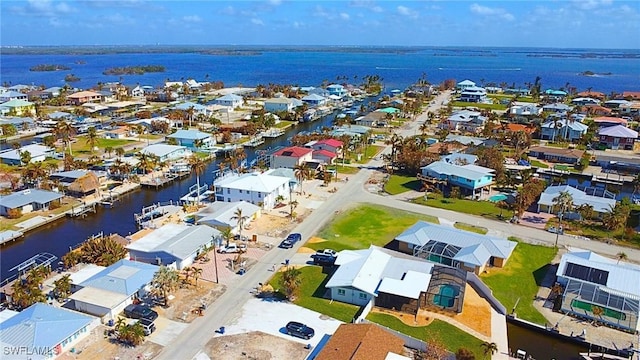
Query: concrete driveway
(166, 331)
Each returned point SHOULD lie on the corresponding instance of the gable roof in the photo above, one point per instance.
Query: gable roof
(600, 204)
(41, 326)
(325, 153)
(610, 119)
(16, 103)
(230, 97)
(472, 248)
(221, 213)
(254, 181)
(82, 94)
(573, 125)
(179, 240)
(293, 151)
(34, 149)
(361, 342)
(313, 97)
(161, 150)
(572, 153)
(520, 127)
(469, 171)
(618, 131)
(124, 277)
(330, 142)
(29, 196)
(189, 135)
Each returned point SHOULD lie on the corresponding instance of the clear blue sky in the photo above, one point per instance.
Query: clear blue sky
(560, 23)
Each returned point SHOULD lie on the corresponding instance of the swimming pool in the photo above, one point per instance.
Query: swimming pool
(446, 296)
(497, 197)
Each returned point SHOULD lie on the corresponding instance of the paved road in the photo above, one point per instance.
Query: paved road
(193, 339)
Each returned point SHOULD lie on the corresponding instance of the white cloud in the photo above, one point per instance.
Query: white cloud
(192, 18)
(493, 12)
(229, 10)
(257, 21)
(367, 4)
(405, 11)
(275, 2)
(344, 16)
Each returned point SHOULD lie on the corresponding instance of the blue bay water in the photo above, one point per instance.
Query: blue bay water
(398, 68)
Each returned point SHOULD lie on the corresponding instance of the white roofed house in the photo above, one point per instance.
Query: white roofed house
(601, 204)
(167, 152)
(36, 152)
(279, 104)
(474, 94)
(464, 84)
(563, 129)
(231, 101)
(177, 244)
(256, 188)
(524, 109)
(29, 200)
(221, 215)
(592, 281)
(465, 121)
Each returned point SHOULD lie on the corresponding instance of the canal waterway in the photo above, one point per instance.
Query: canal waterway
(56, 238)
(541, 346)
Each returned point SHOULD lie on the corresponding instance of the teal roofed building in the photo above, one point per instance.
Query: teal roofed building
(471, 179)
(193, 138)
(42, 331)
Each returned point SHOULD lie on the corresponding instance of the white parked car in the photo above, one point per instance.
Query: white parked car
(327, 252)
(232, 248)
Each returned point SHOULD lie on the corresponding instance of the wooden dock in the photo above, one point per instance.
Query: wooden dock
(163, 179)
(82, 210)
(257, 141)
(10, 236)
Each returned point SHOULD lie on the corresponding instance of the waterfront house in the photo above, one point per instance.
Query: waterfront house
(373, 119)
(221, 215)
(332, 145)
(590, 280)
(557, 155)
(37, 152)
(631, 95)
(80, 183)
(319, 91)
(173, 244)
(336, 90)
(193, 139)
(12, 95)
(524, 109)
(623, 164)
(581, 101)
(630, 109)
(592, 94)
(279, 104)
(119, 132)
(256, 188)
(556, 108)
(314, 100)
(563, 129)
(197, 109)
(464, 84)
(557, 95)
(18, 108)
(453, 247)
(471, 179)
(617, 137)
(26, 201)
(474, 94)
(464, 121)
(230, 101)
(167, 152)
(290, 157)
(616, 103)
(61, 115)
(362, 342)
(601, 204)
(82, 97)
(604, 121)
(108, 292)
(43, 331)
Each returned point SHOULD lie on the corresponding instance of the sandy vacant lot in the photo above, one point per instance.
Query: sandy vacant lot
(254, 345)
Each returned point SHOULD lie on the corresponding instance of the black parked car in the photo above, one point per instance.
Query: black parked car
(134, 311)
(300, 330)
(323, 260)
(290, 241)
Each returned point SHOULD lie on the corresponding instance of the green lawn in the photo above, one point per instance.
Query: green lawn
(450, 336)
(483, 208)
(283, 124)
(520, 279)
(471, 228)
(365, 225)
(479, 105)
(538, 164)
(398, 184)
(81, 146)
(310, 294)
(349, 170)
(371, 152)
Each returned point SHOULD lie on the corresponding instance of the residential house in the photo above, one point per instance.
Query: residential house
(592, 94)
(556, 108)
(290, 157)
(231, 101)
(604, 121)
(221, 215)
(12, 95)
(557, 95)
(61, 115)
(324, 156)
(464, 121)
(82, 97)
(26, 201)
(53, 91)
(119, 132)
(314, 100)
(459, 159)
(557, 155)
(350, 130)
(43, 331)
(256, 188)
(137, 91)
(362, 342)
(465, 84)
(197, 109)
(631, 109)
(107, 96)
(18, 108)
(193, 139)
(592, 281)
(337, 90)
(563, 129)
(173, 244)
(617, 137)
(21, 88)
(601, 204)
(517, 91)
(167, 152)
(514, 128)
(319, 91)
(631, 95)
(38, 95)
(373, 119)
(469, 140)
(619, 163)
(471, 179)
(524, 109)
(581, 101)
(279, 104)
(616, 103)
(108, 292)
(331, 145)
(37, 153)
(474, 94)
(596, 110)
(20, 123)
(80, 183)
(447, 245)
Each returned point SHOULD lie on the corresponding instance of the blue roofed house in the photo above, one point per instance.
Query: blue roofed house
(43, 331)
(26, 201)
(279, 104)
(197, 108)
(471, 179)
(173, 244)
(108, 292)
(453, 247)
(337, 90)
(563, 129)
(193, 139)
(314, 100)
(462, 85)
(601, 204)
(12, 95)
(230, 100)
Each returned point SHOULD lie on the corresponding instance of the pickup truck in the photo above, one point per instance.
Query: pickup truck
(232, 248)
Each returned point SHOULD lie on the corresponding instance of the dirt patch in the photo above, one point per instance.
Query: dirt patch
(306, 250)
(188, 298)
(254, 345)
(315, 240)
(273, 225)
(407, 319)
(99, 346)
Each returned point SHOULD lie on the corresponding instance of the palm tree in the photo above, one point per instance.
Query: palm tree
(92, 138)
(240, 220)
(293, 204)
(197, 273)
(25, 157)
(489, 348)
(621, 256)
(227, 235)
(165, 280)
(586, 211)
(120, 152)
(147, 162)
(198, 165)
(65, 131)
(301, 173)
(564, 201)
(63, 286)
(103, 251)
(291, 281)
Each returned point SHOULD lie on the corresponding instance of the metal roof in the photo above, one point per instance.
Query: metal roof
(30, 196)
(618, 131)
(255, 181)
(600, 204)
(190, 135)
(471, 172)
(178, 240)
(124, 277)
(161, 150)
(221, 213)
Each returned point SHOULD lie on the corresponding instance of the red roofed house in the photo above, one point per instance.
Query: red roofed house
(333, 145)
(518, 127)
(596, 110)
(591, 94)
(324, 156)
(362, 342)
(617, 137)
(631, 95)
(604, 121)
(290, 157)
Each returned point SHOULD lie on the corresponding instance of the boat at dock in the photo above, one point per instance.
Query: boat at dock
(272, 133)
(255, 142)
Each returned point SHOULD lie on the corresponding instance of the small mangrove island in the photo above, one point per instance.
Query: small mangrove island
(71, 78)
(133, 70)
(49, 67)
(591, 73)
